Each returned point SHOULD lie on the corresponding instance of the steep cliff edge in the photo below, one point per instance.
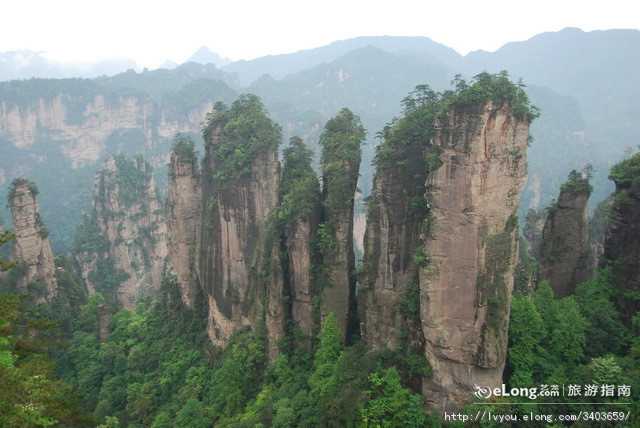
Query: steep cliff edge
(441, 243)
(471, 248)
(341, 143)
(239, 262)
(622, 238)
(564, 249)
(122, 245)
(388, 294)
(298, 217)
(31, 247)
(183, 216)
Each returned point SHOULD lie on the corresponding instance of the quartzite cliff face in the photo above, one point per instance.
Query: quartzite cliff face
(299, 215)
(441, 241)
(127, 224)
(465, 290)
(31, 248)
(396, 212)
(564, 248)
(239, 265)
(622, 238)
(341, 155)
(183, 217)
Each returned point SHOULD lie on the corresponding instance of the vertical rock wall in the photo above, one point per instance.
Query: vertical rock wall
(183, 217)
(565, 237)
(239, 252)
(341, 156)
(471, 246)
(622, 238)
(130, 223)
(31, 249)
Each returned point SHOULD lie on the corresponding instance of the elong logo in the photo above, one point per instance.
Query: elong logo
(484, 392)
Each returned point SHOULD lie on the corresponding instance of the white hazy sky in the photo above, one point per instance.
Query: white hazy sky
(151, 32)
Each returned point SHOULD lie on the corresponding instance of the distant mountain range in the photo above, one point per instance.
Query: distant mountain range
(26, 64)
(586, 84)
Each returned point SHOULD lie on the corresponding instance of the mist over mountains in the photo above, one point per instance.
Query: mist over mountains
(585, 84)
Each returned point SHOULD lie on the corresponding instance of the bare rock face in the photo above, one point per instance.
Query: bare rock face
(622, 238)
(471, 247)
(82, 127)
(183, 217)
(130, 233)
(31, 249)
(565, 237)
(298, 241)
(239, 252)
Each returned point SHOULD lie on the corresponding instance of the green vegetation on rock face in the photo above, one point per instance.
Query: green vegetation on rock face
(243, 131)
(6, 237)
(88, 238)
(33, 188)
(577, 183)
(184, 148)
(299, 187)
(496, 88)
(405, 138)
(132, 178)
(341, 140)
(424, 106)
(627, 172)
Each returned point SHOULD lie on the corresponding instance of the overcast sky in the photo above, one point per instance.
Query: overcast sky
(151, 32)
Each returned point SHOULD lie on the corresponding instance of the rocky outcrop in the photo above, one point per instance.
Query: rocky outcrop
(532, 231)
(565, 238)
(82, 126)
(341, 155)
(388, 297)
(183, 216)
(238, 249)
(299, 216)
(471, 248)
(441, 244)
(622, 238)
(31, 247)
(123, 244)
(598, 225)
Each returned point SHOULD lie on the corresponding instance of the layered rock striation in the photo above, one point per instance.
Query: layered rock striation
(298, 218)
(564, 248)
(471, 246)
(341, 143)
(239, 259)
(441, 243)
(183, 217)
(122, 246)
(31, 248)
(622, 237)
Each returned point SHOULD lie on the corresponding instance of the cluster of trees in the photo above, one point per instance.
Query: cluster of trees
(578, 339)
(157, 369)
(244, 130)
(31, 394)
